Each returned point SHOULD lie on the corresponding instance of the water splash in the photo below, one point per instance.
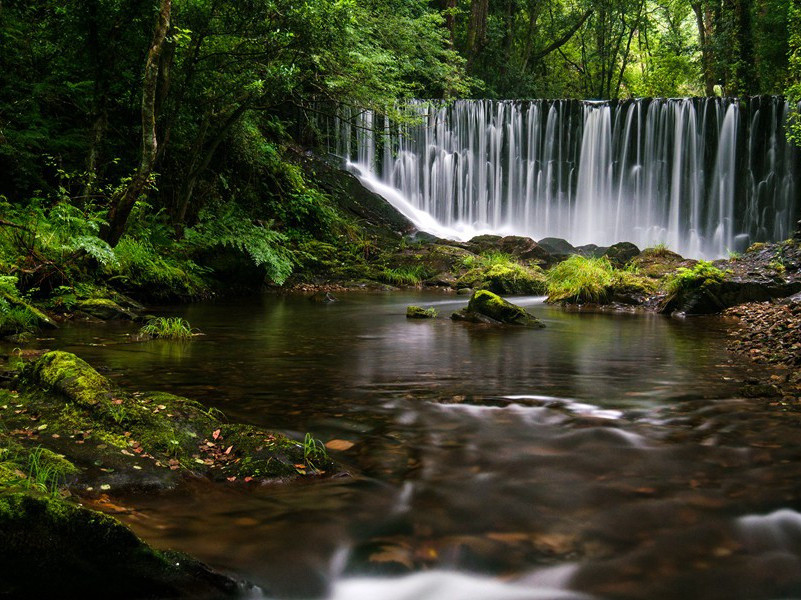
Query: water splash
(703, 176)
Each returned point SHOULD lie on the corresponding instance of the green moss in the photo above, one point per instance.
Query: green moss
(418, 312)
(487, 307)
(502, 274)
(702, 274)
(73, 377)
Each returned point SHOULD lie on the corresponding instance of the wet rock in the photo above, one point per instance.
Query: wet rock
(761, 390)
(523, 248)
(418, 312)
(717, 296)
(482, 243)
(145, 437)
(54, 549)
(591, 250)
(621, 253)
(322, 298)
(489, 308)
(105, 309)
(557, 246)
(443, 279)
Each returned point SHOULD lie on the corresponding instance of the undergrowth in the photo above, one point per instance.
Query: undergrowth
(580, 279)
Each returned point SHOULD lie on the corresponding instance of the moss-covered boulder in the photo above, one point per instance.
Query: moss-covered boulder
(503, 277)
(557, 247)
(486, 307)
(71, 376)
(54, 549)
(105, 309)
(418, 312)
(145, 439)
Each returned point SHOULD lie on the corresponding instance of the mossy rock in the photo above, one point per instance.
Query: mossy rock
(506, 278)
(71, 376)
(105, 309)
(55, 549)
(486, 307)
(147, 438)
(418, 312)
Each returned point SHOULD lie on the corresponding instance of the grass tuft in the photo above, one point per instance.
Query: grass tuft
(580, 279)
(168, 328)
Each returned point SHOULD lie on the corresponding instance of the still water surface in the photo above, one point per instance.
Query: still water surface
(606, 456)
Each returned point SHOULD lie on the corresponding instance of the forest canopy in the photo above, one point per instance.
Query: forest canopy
(182, 103)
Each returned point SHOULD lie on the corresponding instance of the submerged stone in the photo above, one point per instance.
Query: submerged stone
(486, 307)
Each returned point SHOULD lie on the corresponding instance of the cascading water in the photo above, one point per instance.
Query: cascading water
(703, 176)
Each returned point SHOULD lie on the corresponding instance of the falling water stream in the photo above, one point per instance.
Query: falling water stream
(605, 456)
(703, 176)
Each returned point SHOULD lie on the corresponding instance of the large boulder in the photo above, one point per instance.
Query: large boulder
(591, 250)
(486, 307)
(620, 254)
(523, 248)
(557, 246)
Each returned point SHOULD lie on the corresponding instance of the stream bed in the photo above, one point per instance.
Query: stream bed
(605, 456)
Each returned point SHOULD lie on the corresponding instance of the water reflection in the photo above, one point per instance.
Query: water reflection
(605, 455)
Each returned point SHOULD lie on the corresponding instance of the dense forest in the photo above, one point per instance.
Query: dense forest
(129, 127)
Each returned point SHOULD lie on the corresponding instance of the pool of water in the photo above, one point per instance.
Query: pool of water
(606, 456)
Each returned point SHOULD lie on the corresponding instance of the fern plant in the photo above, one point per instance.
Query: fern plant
(230, 227)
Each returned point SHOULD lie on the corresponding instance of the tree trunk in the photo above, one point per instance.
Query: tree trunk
(476, 29)
(703, 20)
(124, 201)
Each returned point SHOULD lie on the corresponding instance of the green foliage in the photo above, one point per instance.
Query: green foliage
(228, 226)
(701, 274)
(14, 318)
(168, 328)
(405, 275)
(160, 273)
(580, 279)
(51, 243)
(793, 90)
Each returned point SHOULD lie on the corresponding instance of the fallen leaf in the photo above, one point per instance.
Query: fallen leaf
(339, 445)
(228, 449)
(216, 434)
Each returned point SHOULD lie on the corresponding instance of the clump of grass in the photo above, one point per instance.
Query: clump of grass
(580, 279)
(313, 451)
(167, 328)
(408, 275)
(701, 274)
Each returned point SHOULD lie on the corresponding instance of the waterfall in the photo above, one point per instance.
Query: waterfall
(704, 176)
